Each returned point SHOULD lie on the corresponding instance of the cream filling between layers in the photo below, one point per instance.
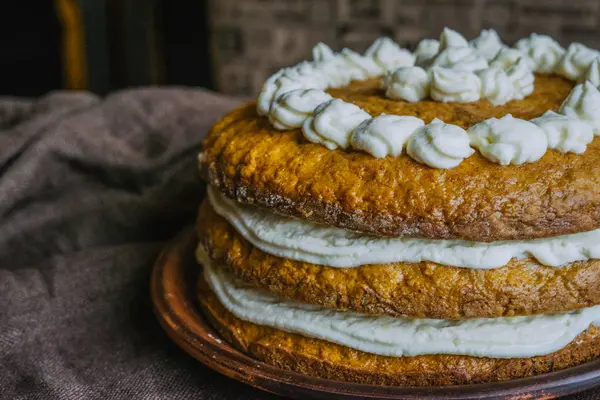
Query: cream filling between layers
(511, 337)
(336, 247)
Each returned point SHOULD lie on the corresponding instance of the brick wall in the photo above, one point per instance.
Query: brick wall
(253, 38)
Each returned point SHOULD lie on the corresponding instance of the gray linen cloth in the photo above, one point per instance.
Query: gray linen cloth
(90, 191)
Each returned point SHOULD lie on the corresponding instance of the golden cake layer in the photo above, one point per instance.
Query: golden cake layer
(249, 160)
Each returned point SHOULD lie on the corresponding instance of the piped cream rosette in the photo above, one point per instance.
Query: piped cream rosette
(449, 70)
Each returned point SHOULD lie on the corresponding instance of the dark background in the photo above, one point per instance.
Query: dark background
(232, 46)
(30, 39)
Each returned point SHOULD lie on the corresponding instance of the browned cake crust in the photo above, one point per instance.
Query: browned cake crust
(425, 289)
(251, 161)
(327, 360)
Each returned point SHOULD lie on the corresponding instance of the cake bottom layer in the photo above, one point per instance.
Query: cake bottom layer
(323, 359)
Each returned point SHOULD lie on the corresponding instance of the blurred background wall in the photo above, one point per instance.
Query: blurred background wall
(233, 45)
(102, 45)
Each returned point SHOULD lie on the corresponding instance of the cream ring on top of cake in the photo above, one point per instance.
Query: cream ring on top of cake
(449, 70)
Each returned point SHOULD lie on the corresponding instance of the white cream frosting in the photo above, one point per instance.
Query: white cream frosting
(291, 109)
(487, 44)
(439, 145)
(301, 76)
(460, 58)
(332, 123)
(576, 61)
(358, 66)
(451, 38)
(592, 74)
(384, 135)
(508, 140)
(285, 84)
(522, 79)
(507, 57)
(449, 85)
(323, 53)
(583, 103)
(330, 65)
(410, 84)
(388, 55)
(306, 73)
(426, 50)
(457, 71)
(508, 337)
(544, 51)
(495, 85)
(265, 97)
(314, 243)
(565, 134)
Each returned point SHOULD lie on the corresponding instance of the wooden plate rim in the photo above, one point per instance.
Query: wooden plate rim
(172, 288)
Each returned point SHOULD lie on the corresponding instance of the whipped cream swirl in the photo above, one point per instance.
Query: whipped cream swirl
(495, 86)
(450, 85)
(388, 55)
(323, 53)
(330, 65)
(306, 73)
(451, 38)
(384, 135)
(291, 109)
(508, 57)
(592, 74)
(359, 67)
(267, 92)
(583, 103)
(439, 145)
(522, 79)
(565, 134)
(508, 337)
(487, 44)
(544, 52)
(301, 76)
(460, 58)
(411, 84)
(455, 52)
(426, 50)
(508, 140)
(576, 61)
(332, 123)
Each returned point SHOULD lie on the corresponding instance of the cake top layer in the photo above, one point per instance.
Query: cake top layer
(450, 70)
(414, 171)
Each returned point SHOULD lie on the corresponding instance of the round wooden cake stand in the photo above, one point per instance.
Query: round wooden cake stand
(173, 282)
